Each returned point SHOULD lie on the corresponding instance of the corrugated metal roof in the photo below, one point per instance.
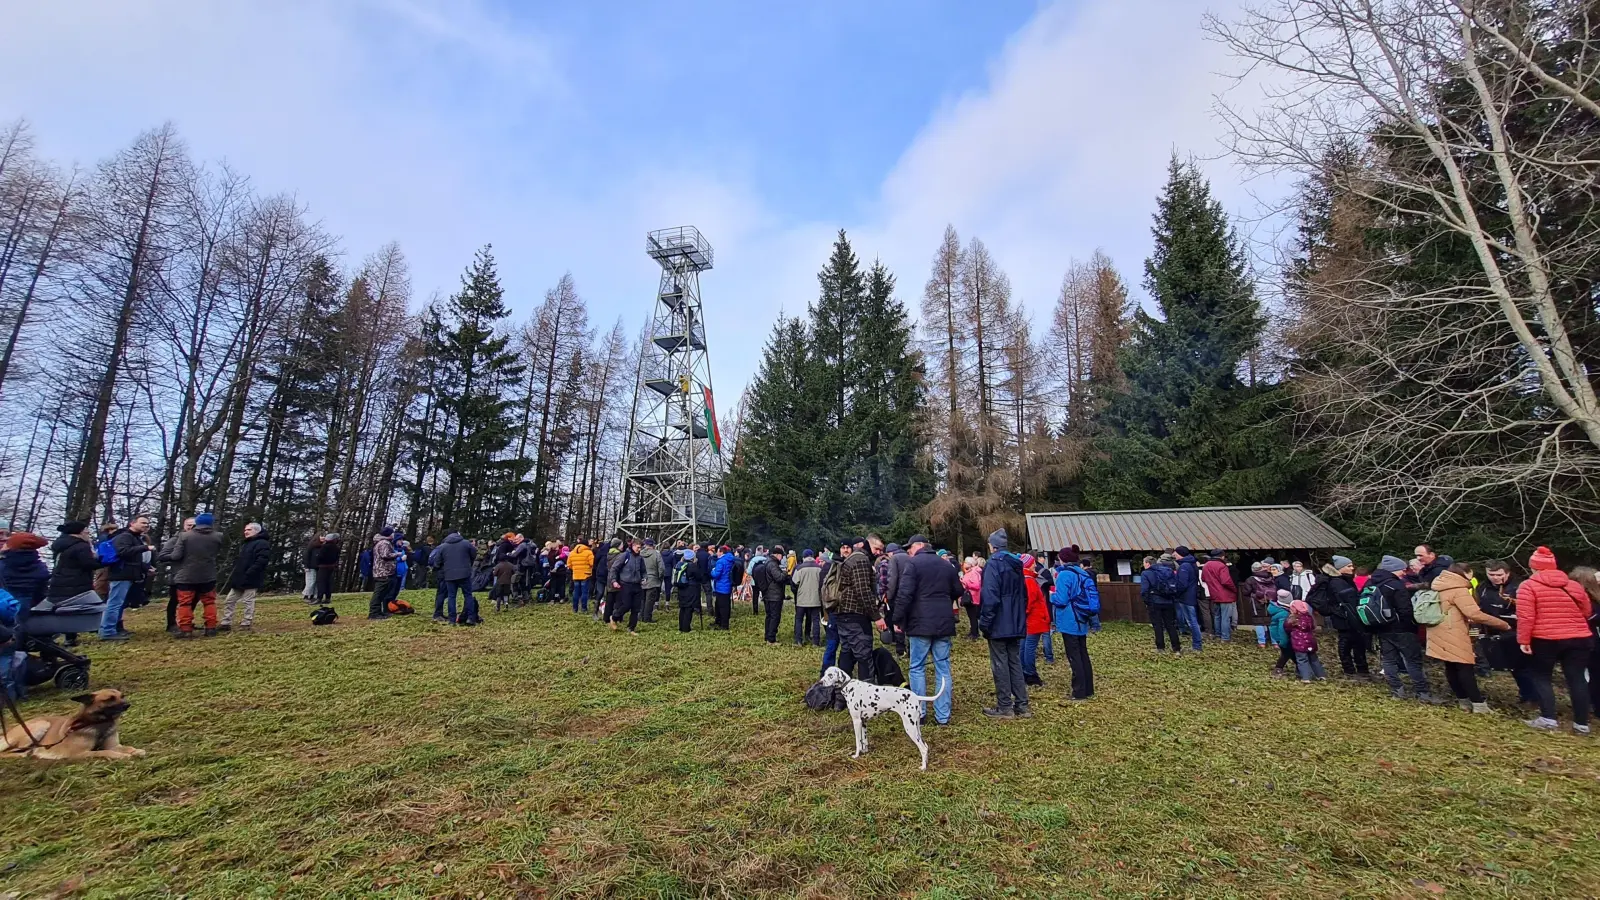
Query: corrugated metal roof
(1206, 528)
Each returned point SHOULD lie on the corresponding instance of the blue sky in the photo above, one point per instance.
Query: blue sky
(561, 132)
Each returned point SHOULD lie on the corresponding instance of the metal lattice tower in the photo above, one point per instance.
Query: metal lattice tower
(672, 472)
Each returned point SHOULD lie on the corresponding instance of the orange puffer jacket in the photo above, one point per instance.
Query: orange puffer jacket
(1551, 607)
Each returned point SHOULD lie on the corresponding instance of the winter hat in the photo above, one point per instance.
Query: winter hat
(891, 548)
(1394, 564)
(1217, 554)
(76, 526)
(1284, 596)
(1183, 551)
(1340, 562)
(387, 531)
(1300, 607)
(944, 554)
(1542, 560)
(998, 540)
(808, 555)
(1068, 555)
(650, 542)
(1027, 560)
(204, 519)
(23, 540)
(1256, 567)
(1166, 558)
(777, 550)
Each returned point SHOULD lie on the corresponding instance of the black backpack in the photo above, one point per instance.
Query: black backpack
(324, 615)
(822, 697)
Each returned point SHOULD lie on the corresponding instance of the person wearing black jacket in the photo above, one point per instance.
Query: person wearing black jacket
(1398, 645)
(129, 567)
(327, 566)
(928, 593)
(1497, 596)
(75, 563)
(249, 576)
(308, 561)
(695, 572)
(1335, 596)
(627, 574)
(770, 580)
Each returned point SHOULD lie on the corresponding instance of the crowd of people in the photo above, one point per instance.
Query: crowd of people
(909, 599)
(1430, 607)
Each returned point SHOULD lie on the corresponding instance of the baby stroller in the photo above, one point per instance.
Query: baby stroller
(46, 659)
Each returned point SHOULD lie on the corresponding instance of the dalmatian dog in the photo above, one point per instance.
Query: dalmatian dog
(866, 701)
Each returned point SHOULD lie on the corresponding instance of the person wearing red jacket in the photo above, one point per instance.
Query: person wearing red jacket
(1038, 623)
(1553, 626)
(1224, 595)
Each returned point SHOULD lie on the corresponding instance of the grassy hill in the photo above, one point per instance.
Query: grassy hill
(542, 756)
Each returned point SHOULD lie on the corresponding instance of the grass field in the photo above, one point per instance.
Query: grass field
(540, 756)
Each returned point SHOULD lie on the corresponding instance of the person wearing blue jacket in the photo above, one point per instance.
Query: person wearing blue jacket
(1003, 620)
(722, 589)
(1188, 607)
(1075, 591)
(1162, 590)
(453, 558)
(1279, 631)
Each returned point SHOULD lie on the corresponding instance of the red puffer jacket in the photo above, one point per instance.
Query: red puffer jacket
(1552, 607)
(1038, 608)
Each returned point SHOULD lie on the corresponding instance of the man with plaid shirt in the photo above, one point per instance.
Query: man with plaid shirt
(857, 608)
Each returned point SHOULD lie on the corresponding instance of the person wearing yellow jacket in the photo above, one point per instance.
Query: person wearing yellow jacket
(580, 562)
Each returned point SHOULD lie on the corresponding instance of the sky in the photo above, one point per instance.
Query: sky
(561, 133)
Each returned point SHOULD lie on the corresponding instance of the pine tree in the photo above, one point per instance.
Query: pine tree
(479, 374)
(1187, 431)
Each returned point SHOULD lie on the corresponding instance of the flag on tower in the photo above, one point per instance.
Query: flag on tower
(711, 424)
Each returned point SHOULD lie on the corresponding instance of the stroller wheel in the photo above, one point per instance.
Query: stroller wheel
(72, 678)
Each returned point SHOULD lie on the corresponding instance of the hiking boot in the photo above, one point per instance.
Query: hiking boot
(247, 629)
(211, 632)
(1431, 700)
(1022, 714)
(183, 635)
(1397, 695)
(1480, 708)
(1033, 681)
(1543, 724)
(224, 628)
(995, 713)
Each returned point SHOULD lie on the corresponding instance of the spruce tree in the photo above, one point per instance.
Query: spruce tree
(475, 394)
(1188, 431)
(887, 474)
(770, 486)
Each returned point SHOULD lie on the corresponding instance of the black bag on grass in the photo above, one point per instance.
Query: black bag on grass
(889, 672)
(821, 697)
(324, 615)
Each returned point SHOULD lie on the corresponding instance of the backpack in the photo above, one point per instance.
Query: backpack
(821, 697)
(1164, 582)
(1426, 607)
(1374, 608)
(830, 587)
(324, 615)
(1085, 601)
(106, 552)
(680, 573)
(400, 607)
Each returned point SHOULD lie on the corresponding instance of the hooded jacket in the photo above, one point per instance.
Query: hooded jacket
(1552, 607)
(1003, 610)
(75, 565)
(328, 555)
(653, 567)
(1189, 580)
(1395, 591)
(629, 568)
(722, 574)
(24, 574)
(928, 589)
(1336, 597)
(581, 562)
(308, 556)
(130, 556)
(383, 557)
(1450, 640)
(250, 569)
(1072, 581)
(1303, 634)
(194, 556)
(455, 557)
(770, 579)
(1038, 608)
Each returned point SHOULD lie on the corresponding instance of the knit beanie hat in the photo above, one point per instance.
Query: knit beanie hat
(76, 526)
(1284, 596)
(23, 540)
(998, 540)
(1027, 560)
(808, 555)
(1183, 551)
(1300, 606)
(1068, 555)
(204, 519)
(1394, 564)
(1542, 560)
(386, 531)
(1340, 562)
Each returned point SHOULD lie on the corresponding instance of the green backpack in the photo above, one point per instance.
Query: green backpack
(1426, 607)
(1374, 609)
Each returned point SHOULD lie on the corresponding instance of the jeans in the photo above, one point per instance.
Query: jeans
(774, 619)
(1030, 653)
(1463, 679)
(1005, 665)
(1401, 649)
(1573, 655)
(580, 595)
(830, 651)
(807, 626)
(688, 605)
(1190, 618)
(469, 603)
(116, 599)
(1309, 666)
(1261, 635)
(1164, 619)
(1082, 670)
(1225, 616)
(937, 648)
(1353, 649)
